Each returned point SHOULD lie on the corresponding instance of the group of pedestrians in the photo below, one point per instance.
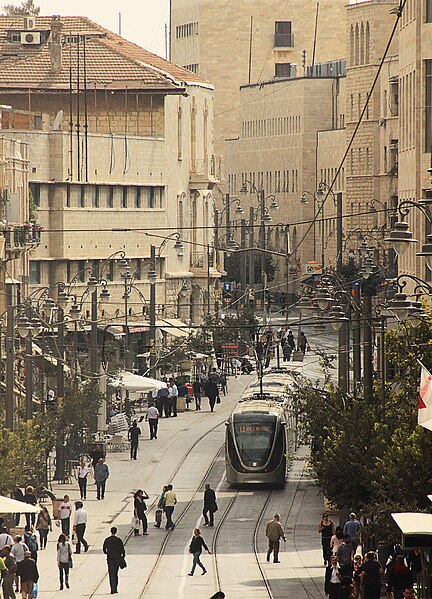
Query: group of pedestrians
(349, 575)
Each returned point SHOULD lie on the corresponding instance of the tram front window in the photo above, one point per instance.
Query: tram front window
(254, 435)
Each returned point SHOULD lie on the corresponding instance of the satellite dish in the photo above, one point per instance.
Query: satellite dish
(58, 121)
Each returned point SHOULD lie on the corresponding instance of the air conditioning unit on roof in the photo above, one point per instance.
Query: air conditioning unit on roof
(30, 38)
(29, 23)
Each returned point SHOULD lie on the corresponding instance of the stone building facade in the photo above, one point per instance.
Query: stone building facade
(119, 160)
(237, 43)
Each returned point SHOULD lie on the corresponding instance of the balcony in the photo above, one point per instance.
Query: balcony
(283, 40)
(22, 237)
(205, 171)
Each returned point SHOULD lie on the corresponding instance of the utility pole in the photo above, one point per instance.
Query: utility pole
(60, 449)
(367, 349)
(251, 246)
(93, 335)
(208, 279)
(152, 310)
(29, 376)
(243, 260)
(228, 217)
(262, 240)
(339, 232)
(10, 366)
(343, 358)
(356, 338)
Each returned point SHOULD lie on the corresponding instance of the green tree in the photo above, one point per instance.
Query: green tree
(232, 267)
(27, 8)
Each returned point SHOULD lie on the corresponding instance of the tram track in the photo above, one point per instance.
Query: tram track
(151, 506)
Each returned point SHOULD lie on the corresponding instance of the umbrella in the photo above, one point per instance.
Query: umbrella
(134, 382)
(12, 506)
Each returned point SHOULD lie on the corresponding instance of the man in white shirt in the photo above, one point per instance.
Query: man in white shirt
(80, 524)
(332, 578)
(64, 513)
(5, 538)
(18, 550)
(174, 395)
(153, 419)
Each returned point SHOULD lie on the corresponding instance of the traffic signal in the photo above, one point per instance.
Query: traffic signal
(251, 295)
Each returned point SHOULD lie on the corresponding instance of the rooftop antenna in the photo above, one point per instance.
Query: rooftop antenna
(120, 23)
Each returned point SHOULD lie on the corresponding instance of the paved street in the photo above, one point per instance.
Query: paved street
(188, 452)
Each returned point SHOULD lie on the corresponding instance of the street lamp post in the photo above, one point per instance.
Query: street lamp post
(10, 348)
(152, 277)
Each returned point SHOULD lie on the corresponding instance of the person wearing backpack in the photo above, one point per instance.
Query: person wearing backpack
(30, 540)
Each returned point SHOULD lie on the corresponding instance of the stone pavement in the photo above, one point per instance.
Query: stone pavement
(182, 454)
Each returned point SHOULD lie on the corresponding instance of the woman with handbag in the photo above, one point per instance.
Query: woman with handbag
(139, 511)
(64, 560)
(43, 526)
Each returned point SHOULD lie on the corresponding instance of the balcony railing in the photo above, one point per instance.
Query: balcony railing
(284, 40)
(204, 169)
(22, 237)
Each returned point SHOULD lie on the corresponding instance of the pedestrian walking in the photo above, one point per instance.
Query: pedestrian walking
(18, 495)
(114, 550)
(212, 392)
(17, 551)
(302, 342)
(29, 575)
(336, 540)
(31, 541)
(64, 514)
(134, 433)
(5, 538)
(352, 528)
(197, 391)
(140, 510)
(357, 570)
(274, 532)
(286, 351)
(80, 525)
(174, 396)
(101, 474)
(162, 401)
(400, 578)
(371, 576)
(160, 508)
(196, 547)
(327, 529)
(210, 506)
(170, 501)
(64, 560)
(43, 526)
(152, 417)
(346, 590)
(30, 498)
(344, 556)
(10, 573)
(332, 581)
(82, 474)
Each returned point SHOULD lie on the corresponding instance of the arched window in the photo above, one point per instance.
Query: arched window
(352, 45)
(362, 40)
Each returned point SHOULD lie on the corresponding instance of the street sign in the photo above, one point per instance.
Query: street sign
(227, 286)
(313, 268)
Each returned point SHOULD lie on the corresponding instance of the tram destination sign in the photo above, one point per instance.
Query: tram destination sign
(255, 428)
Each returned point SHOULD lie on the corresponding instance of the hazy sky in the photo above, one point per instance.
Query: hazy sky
(143, 21)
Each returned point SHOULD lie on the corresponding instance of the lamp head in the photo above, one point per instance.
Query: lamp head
(337, 316)
(323, 298)
(92, 284)
(401, 306)
(124, 267)
(244, 188)
(63, 299)
(24, 327)
(179, 248)
(274, 205)
(303, 199)
(104, 295)
(400, 237)
(75, 312)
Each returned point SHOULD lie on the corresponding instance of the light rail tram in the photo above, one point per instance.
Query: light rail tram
(260, 433)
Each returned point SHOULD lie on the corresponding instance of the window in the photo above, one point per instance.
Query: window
(428, 106)
(96, 268)
(110, 274)
(35, 272)
(138, 271)
(428, 11)
(124, 197)
(35, 193)
(155, 197)
(394, 96)
(110, 197)
(137, 197)
(283, 35)
(283, 69)
(95, 196)
(81, 196)
(68, 272)
(68, 195)
(179, 132)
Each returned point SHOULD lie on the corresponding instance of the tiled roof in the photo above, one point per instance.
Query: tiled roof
(111, 60)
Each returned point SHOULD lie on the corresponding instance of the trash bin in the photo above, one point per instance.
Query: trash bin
(181, 404)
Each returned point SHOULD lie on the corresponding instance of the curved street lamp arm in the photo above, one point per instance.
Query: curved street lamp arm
(422, 287)
(404, 209)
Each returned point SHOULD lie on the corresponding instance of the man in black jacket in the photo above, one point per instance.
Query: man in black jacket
(210, 505)
(133, 436)
(114, 550)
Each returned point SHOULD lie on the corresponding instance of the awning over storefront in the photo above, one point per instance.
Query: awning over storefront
(416, 529)
(174, 327)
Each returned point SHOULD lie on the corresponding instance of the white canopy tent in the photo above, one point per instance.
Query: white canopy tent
(416, 528)
(134, 382)
(12, 506)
